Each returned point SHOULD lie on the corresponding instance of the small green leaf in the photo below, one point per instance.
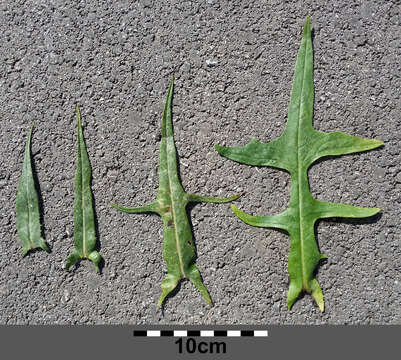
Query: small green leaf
(170, 204)
(84, 215)
(295, 151)
(27, 206)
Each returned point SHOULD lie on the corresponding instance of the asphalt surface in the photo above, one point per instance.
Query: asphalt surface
(233, 62)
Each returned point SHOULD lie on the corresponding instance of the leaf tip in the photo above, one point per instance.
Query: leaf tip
(218, 148)
(28, 139)
(320, 303)
(378, 143)
(307, 26)
(233, 198)
(96, 258)
(44, 246)
(78, 112)
(376, 210)
(161, 300)
(171, 87)
(294, 291)
(72, 259)
(371, 211)
(115, 206)
(290, 303)
(317, 294)
(168, 285)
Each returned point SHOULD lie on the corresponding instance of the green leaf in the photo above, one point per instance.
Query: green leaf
(170, 204)
(84, 215)
(27, 206)
(294, 151)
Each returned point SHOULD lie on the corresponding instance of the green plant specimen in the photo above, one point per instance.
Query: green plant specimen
(84, 215)
(170, 204)
(295, 151)
(27, 206)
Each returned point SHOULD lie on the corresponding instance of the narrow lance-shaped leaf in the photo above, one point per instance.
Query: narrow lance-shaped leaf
(295, 151)
(84, 215)
(170, 204)
(27, 206)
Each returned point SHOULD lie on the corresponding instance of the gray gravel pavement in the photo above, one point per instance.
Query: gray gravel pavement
(233, 62)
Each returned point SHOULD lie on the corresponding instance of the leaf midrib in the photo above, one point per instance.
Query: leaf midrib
(299, 175)
(28, 154)
(82, 193)
(172, 210)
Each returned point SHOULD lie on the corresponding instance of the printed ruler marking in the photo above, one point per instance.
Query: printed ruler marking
(201, 333)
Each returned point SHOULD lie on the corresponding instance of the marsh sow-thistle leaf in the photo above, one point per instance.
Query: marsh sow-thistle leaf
(295, 151)
(27, 206)
(170, 204)
(84, 215)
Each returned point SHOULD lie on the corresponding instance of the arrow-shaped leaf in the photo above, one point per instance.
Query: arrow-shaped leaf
(295, 151)
(170, 204)
(84, 216)
(27, 206)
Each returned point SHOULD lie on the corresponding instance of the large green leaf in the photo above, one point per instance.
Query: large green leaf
(84, 215)
(27, 206)
(170, 204)
(295, 151)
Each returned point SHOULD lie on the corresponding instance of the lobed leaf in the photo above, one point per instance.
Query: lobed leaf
(84, 215)
(170, 204)
(295, 151)
(27, 206)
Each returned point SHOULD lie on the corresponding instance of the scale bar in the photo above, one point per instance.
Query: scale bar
(200, 333)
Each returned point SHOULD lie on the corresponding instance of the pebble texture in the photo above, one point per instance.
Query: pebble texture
(233, 61)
